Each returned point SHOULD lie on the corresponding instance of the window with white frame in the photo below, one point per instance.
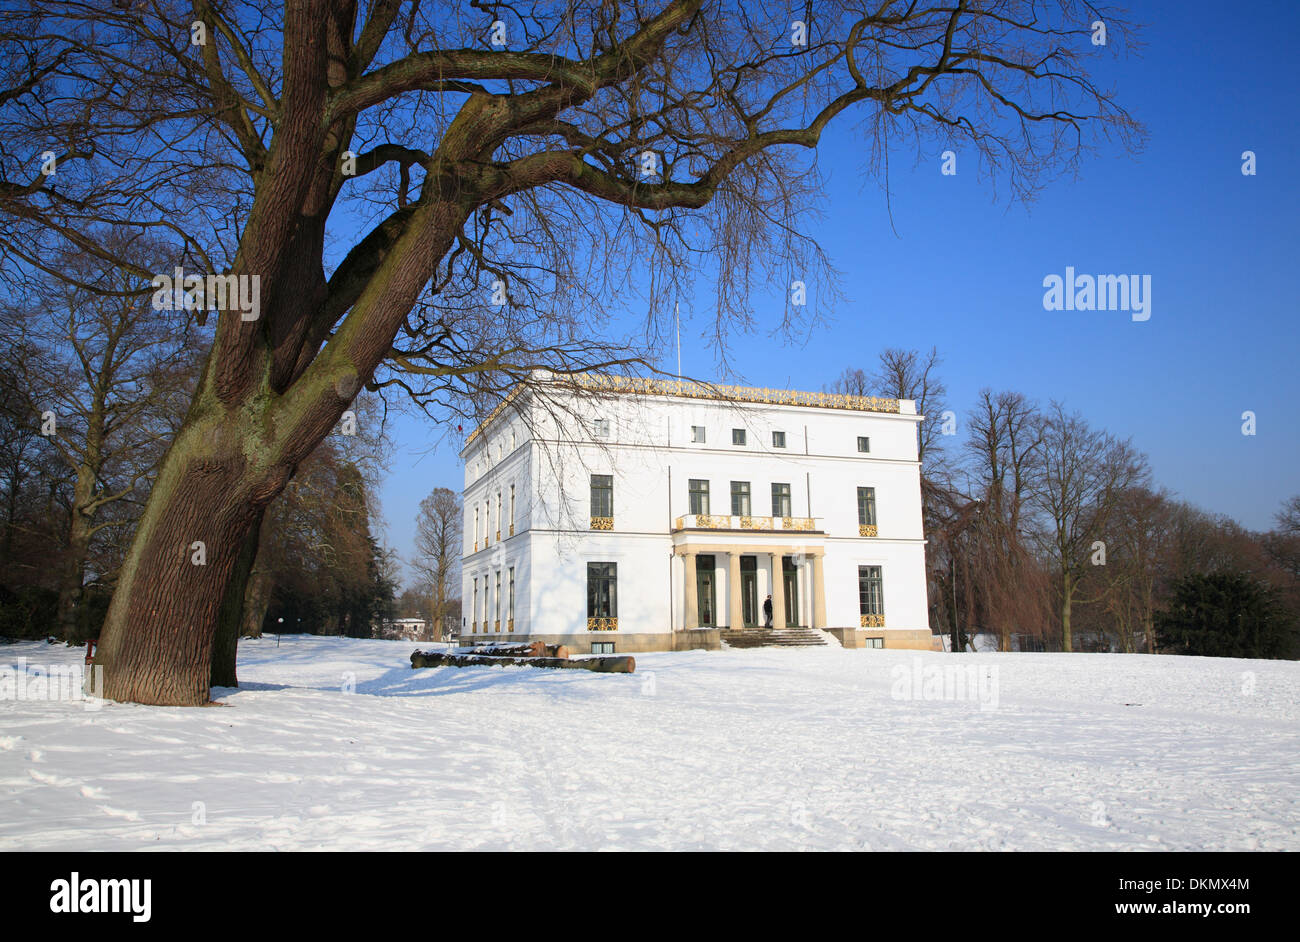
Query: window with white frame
(697, 434)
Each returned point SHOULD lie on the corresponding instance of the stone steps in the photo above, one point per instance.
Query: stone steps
(772, 638)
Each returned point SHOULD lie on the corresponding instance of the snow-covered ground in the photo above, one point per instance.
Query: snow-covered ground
(339, 744)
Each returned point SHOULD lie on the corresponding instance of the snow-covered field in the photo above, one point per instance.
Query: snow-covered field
(338, 744)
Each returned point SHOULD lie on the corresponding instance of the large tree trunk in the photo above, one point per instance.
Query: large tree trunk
(230, 618)
(157, 642)
(254, 418)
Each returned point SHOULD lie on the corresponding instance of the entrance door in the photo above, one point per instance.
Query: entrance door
(749, 591)
(704, 591)
(790, 579)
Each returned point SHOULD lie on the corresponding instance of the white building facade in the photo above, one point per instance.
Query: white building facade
(621, 515)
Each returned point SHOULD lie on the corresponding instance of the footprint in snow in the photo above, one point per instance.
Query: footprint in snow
(120, 813)
(46, 779)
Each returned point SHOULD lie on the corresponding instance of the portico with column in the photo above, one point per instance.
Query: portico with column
(728, 605)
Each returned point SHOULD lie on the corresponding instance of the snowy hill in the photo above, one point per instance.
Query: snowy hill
(336, 743)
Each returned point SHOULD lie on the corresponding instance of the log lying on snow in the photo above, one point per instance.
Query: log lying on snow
(601, 665)
(529, 649)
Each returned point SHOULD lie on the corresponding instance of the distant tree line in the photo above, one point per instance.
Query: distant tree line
(93, 383)
(1046, 532)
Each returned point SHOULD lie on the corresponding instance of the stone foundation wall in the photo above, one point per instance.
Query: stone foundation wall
(905, 639)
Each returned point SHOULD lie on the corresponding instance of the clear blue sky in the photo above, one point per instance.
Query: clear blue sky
(965, 274)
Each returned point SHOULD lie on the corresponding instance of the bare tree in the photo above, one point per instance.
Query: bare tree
(1005, 436)
(36, 487)
(1288, 518)
(438, 534)
(107, 378)
(1083, 475)
(909, 374)
(498, 189)
(852, 382)
(1138, 544)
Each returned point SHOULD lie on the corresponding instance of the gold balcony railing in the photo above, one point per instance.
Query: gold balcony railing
(602, 523)
(743, 522)
(602, 624)
(867, 529)
(873, 621)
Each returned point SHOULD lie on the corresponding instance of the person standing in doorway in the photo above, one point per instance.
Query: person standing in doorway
(767, 612)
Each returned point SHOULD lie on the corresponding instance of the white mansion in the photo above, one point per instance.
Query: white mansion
(620, 515)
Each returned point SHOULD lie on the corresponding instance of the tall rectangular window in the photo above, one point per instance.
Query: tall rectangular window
(740, 498)
(511, 609)
(498, 515)
(602, 495)
(476, 527)
(497, 601)
(737, 436)
(697, 434)
(778, 439)
(601, 428)
(780, 500)
(699, 494)
(602, 590)
(864, 444)
(866, 506)
(871, 591)
(473, 611)
(512, 508)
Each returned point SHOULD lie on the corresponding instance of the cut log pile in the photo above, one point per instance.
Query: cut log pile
(521, 649)
(534, 654)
